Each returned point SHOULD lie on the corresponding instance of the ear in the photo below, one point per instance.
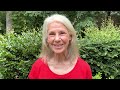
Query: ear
(70, 38)
(46, 41)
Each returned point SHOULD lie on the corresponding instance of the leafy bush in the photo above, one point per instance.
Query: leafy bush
(18, 53)
(101, 48)
(97, 76)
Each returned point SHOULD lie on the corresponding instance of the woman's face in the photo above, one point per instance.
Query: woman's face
(58, 37)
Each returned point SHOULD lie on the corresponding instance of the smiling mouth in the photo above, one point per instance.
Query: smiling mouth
(58, 46)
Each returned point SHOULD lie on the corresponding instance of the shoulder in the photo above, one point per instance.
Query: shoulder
(38, 62)
(36, 67)
(82, 62)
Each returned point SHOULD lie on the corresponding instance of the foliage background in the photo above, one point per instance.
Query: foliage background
(98, 38)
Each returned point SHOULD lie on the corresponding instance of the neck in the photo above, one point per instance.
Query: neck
(60, 57)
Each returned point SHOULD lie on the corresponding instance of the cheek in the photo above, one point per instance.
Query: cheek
(65, 39)
(49, 40)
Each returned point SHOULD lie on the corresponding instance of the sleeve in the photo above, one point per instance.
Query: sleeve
(89, 72)
(34, 72)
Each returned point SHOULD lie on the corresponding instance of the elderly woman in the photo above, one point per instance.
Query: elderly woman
(59, 58)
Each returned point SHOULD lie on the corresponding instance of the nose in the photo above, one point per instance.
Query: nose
(57, 38)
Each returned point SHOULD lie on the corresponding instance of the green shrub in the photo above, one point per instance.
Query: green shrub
(101, 48)
(18, 54)
(97, 76)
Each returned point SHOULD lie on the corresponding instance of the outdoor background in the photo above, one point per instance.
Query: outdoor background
(98, 34)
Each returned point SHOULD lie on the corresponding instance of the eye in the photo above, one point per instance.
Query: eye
(51, 33)
(62, 32)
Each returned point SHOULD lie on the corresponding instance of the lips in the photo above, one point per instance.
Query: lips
(57, 46)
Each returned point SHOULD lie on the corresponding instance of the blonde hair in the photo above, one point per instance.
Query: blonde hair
(72, 48)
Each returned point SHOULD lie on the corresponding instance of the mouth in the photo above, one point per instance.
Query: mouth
(57, 46)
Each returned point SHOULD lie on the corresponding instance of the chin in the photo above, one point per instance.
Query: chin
(58, 51)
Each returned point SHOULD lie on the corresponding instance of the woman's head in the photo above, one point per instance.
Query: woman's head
(59, 36)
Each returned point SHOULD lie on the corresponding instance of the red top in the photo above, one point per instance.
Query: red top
(40, 70)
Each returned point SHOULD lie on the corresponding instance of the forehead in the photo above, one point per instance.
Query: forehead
(56, 24)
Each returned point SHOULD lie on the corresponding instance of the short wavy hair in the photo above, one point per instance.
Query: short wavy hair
(73, 51)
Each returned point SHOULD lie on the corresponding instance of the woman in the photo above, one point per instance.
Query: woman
(59, 58)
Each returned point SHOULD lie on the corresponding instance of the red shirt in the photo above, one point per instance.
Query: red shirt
(40, 70)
